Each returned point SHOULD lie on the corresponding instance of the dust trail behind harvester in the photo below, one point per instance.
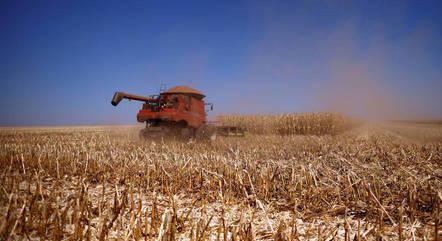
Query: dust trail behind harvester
(334, 73)
(353, 90)
(371, 83)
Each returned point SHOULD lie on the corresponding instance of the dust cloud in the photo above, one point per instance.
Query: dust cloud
(338, 71)
(356, 82)
(369, 84)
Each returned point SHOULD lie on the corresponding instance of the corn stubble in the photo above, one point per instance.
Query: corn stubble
(102, 183)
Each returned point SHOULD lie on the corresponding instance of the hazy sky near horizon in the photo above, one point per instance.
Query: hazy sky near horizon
(61, 61)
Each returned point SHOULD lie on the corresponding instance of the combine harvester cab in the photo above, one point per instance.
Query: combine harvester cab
(178, 111)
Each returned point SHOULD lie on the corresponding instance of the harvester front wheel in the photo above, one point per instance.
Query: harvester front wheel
(207, 132)
(147, 133)
(141, 134)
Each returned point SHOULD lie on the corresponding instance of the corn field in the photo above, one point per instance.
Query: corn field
(103, 183)
(291, 124)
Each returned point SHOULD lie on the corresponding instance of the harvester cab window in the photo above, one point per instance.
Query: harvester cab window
(174, 100)
(169, 101)
(187, 102)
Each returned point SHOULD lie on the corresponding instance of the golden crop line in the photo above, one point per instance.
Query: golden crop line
(290, 124)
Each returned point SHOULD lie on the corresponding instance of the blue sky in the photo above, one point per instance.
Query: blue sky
(61, 61)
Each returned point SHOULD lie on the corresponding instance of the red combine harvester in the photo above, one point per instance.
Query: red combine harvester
(178, 111)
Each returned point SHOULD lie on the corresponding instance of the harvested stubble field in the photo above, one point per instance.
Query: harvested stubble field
(102, 183)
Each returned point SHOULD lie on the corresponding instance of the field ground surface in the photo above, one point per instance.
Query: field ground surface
(373, 182)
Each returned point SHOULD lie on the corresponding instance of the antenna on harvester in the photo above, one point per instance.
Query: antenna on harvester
(162, 87)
